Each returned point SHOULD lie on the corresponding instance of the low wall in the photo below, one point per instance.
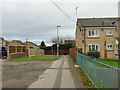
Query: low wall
(16, 55)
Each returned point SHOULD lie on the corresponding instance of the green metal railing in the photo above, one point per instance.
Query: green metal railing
(102, 75)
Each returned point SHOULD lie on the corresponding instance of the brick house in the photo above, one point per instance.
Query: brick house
(16, 49)
(33, 49)
(69, 42)
(31, 45)
(98, 34)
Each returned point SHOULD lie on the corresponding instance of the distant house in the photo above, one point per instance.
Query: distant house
(69, 42)
(33, 49)
(31, 45)
(16, 43)
(16, 48)
(98, 34)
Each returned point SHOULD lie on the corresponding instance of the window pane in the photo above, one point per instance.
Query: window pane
(89, 33)
(93, 47)
(96, 47)
(96, 32)
(89, 47)
(111, 32)
(110, 47)
(93, 33)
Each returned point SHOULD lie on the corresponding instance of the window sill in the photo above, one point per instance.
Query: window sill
(93, 37)
(116, 53)
(109, 50)
(109, 35)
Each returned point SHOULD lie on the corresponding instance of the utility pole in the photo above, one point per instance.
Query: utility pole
(57, 42)
(76, 10)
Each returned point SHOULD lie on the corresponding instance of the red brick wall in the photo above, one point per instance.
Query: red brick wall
(72, 53)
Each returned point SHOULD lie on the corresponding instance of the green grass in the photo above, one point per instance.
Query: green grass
(35, 58)
(112, 63)
(98, 64)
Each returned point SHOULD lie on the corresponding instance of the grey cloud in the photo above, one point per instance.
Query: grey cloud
(38, 21)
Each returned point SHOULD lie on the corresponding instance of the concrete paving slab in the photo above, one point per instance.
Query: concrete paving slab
(67, 79)
(56, 64)
(66, 64)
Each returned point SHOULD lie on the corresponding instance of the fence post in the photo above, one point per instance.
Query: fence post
(94, 71)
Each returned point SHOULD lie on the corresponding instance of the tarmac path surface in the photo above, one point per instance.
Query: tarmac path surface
(57, 76)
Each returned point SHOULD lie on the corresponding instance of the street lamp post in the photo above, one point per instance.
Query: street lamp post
(57, 43)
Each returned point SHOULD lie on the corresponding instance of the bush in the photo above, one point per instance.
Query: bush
(94, 54)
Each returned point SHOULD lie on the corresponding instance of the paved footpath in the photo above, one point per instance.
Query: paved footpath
(57, 76)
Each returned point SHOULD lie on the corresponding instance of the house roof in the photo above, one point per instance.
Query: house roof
(98, 22)
(19, 42)
(32, 43)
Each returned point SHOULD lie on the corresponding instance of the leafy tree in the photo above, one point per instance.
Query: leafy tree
(43, 43)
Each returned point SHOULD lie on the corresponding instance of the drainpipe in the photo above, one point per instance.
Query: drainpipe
(105, 52)
(84, 41)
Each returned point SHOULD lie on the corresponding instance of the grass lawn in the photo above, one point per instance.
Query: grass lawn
(35, 58)
(113, 63)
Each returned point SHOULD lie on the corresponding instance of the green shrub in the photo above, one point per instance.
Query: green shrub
(94, 54)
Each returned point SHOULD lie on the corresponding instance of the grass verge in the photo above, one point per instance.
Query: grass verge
(35, 58)
(86, 82)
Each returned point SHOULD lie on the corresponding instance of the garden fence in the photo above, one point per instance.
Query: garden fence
(101, 75)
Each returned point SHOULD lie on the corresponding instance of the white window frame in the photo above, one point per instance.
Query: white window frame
(94, 32)
(109, 33)
(95, 47)
(109, 46)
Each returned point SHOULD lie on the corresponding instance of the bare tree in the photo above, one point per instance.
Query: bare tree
(61, 39)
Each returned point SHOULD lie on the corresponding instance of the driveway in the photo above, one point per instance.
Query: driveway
(22, 74)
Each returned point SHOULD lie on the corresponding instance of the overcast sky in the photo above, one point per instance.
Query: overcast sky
(38, 21)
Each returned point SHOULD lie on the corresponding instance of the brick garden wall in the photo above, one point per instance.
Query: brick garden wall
(16, 55)
(72, 53)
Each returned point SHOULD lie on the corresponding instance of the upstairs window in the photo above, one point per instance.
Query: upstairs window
(93, 33)
(109, 32)
(109, 47)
